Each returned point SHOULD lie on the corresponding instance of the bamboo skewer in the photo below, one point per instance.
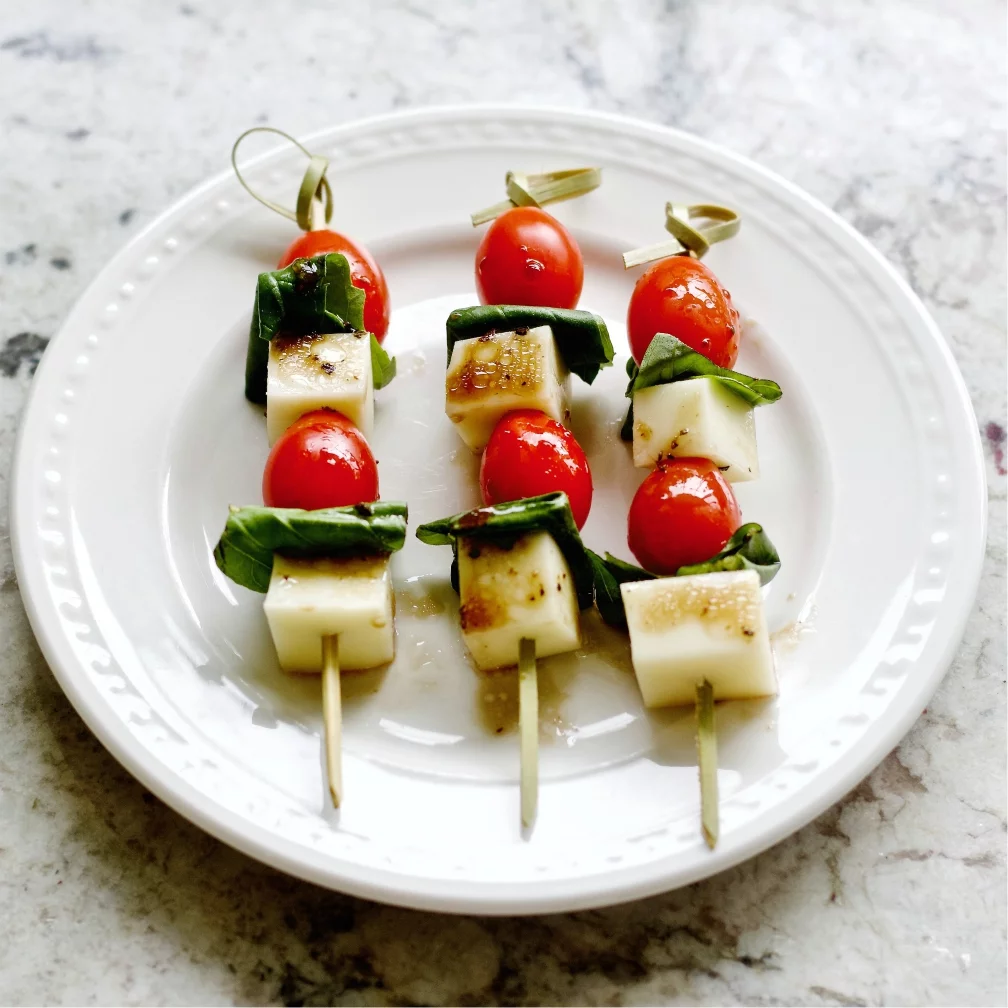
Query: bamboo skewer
(332, 717)
(528, 728)
(707, 762)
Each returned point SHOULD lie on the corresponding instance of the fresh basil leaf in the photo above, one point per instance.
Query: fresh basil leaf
(610, 572)
(749, 548)
(582, 338)
(253, 534)
(383, 367)
(668, 359)
(504, 523)
(313, 295)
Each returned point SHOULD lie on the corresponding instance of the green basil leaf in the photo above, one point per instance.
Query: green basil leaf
(749, 548)
(383, 367)
(502, 524)
(253, 534)
(610, 572)
(582, 338)
(314, 295)
(669, 359)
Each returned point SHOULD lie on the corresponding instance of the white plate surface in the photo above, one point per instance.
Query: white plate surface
(137, 437)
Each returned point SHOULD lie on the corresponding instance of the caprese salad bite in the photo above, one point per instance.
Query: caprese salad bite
(329, 602)
(683, 405)
(523, 575)
(312, 214)
(694, 610)
(308, 348)
(319, 549)
(527, 256)
(503, 358)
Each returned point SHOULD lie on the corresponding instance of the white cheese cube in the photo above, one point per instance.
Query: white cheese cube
(507, 594)
(491, 375)
(696, 418)
(701, 626)
(312, 598)
(307, 373)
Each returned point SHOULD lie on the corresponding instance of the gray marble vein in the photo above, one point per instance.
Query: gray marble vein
(890, 111)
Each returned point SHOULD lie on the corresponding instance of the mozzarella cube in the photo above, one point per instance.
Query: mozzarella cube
(700, 626)
(307, 373)
(311, 598)
(697, 418)
(491, 375)
(507, 594)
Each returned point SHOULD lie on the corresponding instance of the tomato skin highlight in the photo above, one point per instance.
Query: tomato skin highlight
(529, 454)
(527, 257)
(365, 273)
(681, 296)
(320, 461)
(683, 513)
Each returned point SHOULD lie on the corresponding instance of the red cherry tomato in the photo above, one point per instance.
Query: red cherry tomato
(320, 461)
(530, 454)
(683, 513)
(682, 297)
(365, 273)
(527, 257)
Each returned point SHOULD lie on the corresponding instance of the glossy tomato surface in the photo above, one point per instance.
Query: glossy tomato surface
(527, 257)
(529, 454)
(320, 461)
(365, 273)
(683, 513)
(681, 296)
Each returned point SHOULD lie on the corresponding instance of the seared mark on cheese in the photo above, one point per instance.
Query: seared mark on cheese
(495, 364)
(480, 612)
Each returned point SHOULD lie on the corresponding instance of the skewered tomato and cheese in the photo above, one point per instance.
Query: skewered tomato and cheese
(307, 346)
(521, 571)
(503, 358)
(324, 573)
(682, 405)
(493, 374)
(705, 621)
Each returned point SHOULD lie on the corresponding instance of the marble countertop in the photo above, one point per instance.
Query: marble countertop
(891, 112)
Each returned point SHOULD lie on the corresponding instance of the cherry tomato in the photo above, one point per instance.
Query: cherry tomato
(681, 296)
(320, 461)
(683, 513)
(365, 273)
(527, 257)
(530, 454)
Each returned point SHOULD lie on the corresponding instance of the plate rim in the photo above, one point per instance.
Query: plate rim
(487, 898)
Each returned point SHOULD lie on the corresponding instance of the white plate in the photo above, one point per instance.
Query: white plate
(137, 437)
